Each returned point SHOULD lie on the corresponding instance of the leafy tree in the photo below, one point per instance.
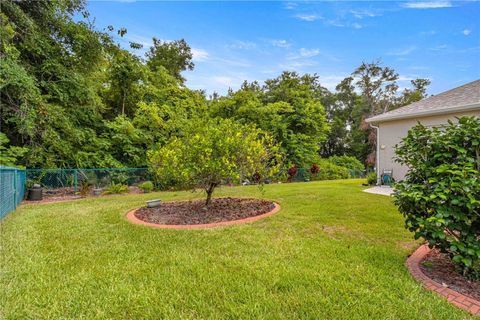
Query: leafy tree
(48, 80)
(74, 98)
(440, 196)
(8, 156)
(378, 86)
(125, 79)
(370, 90)
(418, 92)
(175, 56)
(211, 152)
(288, 107)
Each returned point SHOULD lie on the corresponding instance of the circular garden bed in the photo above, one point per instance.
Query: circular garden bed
(193, 214)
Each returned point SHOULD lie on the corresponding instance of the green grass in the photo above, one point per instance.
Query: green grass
(332, 252)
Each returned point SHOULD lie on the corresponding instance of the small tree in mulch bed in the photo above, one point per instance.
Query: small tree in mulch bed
(440, 196)
(210, 152)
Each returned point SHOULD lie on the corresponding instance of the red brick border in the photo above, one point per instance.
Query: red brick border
(133, 219)
(462, 301)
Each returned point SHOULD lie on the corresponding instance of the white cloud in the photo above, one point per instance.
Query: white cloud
(439, 47)
(335, 23)
(406, 78)
(357, 25)
(364, 13)
(308, 53)
(467, 32)
(330, 82)
(297, 64)
(199, 54)
(290, 5)
(402, 52)
(305, 53)
(308, 17)
(280, 43)
(242, 45)
(427, 4)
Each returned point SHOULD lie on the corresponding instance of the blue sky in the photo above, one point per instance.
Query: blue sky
(236, 41)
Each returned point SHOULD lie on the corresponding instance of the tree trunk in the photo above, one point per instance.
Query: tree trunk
(209, 192)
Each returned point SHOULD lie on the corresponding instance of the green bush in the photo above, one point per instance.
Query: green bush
(116, 188)
(440, 196)
(351, 163)
(330, 171)
(372, 178)
(146, 186)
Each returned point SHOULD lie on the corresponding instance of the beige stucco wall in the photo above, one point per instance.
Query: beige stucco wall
(391, 133)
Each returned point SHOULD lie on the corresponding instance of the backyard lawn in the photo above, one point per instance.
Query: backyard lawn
(332, 252)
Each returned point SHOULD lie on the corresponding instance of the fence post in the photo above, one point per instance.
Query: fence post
(15, 188)
(74, 180)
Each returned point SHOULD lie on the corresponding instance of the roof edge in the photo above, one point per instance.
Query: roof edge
(453, 109)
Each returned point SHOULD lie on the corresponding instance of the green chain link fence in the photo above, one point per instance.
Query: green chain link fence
(303, 174)
(12, 189)
(68, 181)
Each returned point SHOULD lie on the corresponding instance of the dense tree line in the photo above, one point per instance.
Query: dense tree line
(71, 96)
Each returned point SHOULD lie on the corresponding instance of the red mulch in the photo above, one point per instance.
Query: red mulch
(194, 212)
(440, 268)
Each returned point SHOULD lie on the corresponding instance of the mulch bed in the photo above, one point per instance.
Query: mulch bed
(194, 212)
(440, 268)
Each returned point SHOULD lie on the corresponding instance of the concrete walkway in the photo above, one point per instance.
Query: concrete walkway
(383, 190)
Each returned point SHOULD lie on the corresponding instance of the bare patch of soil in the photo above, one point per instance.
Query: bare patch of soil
(67, 194)
(194, 211)
(440, 268)
(56, 198)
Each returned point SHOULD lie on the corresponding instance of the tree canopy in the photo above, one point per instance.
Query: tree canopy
(212, 152)
(71, 96)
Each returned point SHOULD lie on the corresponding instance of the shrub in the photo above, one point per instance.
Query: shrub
(372, 178)
(146, 186)
(292, 172)
(314, 169)
(116, 188)
(351, 163)
(440, 196)
(329, 171)
(214, 151)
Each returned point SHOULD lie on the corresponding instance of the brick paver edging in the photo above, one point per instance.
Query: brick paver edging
(462, 301)
(132, 218)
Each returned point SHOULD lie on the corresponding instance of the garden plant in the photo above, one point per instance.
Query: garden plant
(440, 197)
(211, 152)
